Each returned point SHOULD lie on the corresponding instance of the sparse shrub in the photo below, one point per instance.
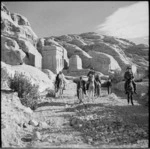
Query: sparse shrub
(4, 77)
(27, 92)
(117, 77)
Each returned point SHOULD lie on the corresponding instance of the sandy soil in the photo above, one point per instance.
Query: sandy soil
(58, 113)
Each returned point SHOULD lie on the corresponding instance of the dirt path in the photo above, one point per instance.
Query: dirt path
(60, 134)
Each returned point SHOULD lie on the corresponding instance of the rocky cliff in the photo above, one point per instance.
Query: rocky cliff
(105, 53)
(18, 40)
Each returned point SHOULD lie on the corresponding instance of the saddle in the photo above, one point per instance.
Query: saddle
(129, 85)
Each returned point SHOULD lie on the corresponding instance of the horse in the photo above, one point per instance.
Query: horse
(91, 88)
(130, 91)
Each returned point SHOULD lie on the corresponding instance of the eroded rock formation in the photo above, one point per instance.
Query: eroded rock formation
(17, 30)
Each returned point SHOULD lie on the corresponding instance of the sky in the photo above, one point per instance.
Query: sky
(123, 19)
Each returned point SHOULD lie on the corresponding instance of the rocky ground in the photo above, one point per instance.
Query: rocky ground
(109, 122)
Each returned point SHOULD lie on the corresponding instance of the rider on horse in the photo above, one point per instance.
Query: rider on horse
(91, 72)
(129, 76)
(60, 76)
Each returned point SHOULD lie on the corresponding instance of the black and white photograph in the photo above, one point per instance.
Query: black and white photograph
(75, 74)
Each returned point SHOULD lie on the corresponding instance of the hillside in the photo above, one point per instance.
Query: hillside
(107, 121)
(121, 50)
(25, 47)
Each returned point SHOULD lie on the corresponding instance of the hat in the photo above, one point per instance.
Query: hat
(92, 68)
(128, 67)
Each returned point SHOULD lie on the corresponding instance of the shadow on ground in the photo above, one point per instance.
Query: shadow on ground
(51, 104)
(136, 97)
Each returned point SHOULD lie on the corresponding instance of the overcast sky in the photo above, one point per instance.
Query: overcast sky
(125, 19)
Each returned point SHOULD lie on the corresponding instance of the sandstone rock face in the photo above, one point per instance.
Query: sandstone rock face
(34, 74)
(77, 40)
(33, 57)
(50, 74)
(75, 63)
(91, 35)
(118, 48)
(11, 53)
(142, 46)
(73, 49)
(16, 25)
(111, 40)
(103, 62)
(17, 28)
(66, 38)
(113, 51)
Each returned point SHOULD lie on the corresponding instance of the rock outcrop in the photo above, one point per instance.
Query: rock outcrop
(16, 25)
(120, 51)
(11, 53)
(34, 74)
(75, 50)
(17, 30)
(103, 62)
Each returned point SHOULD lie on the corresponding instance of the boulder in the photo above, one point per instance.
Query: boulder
(25, 125)
(36, 136)
(28, 110)
(103, 62)
(33, 123)
(35, 75)
(33, 57)
(50, 74)
(43, 125)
